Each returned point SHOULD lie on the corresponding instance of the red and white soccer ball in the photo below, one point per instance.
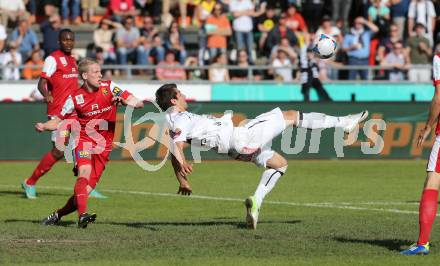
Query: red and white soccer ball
(325, 46)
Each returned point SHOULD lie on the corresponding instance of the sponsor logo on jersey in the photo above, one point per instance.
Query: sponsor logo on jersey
(79, 99)
(73, 70)
(95, 106)
(175, 134)
(84, 154)
(63, 61)
(104, 91)
(68, 76)
(117, 91)
(92, 113)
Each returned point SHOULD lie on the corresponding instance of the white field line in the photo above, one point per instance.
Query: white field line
(330, 205)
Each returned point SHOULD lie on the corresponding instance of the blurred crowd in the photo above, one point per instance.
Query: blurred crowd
(235, 37)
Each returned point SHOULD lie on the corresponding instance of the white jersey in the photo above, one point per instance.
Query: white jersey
(202, 130)
(436, 69)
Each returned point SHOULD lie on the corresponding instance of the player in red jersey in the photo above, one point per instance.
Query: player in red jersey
(95, 104)
(429, 200)
(58, 80)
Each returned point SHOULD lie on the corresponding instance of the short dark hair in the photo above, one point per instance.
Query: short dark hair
(64, 31)
(165, 94)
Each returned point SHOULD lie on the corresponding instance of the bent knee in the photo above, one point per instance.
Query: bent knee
(291, 116)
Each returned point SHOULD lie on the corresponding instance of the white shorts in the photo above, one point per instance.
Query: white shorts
(253, 141)
(434, 161)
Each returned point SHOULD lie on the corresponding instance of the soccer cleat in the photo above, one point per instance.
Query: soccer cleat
(85, 219)
(252, 212)
(29, 191)
(95, 194)
(51, 219)
(415, 249)
(354, 120)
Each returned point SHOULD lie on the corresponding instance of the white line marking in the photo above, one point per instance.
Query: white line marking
(330, 205)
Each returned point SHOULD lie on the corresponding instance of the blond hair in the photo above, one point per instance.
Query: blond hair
(84, 64)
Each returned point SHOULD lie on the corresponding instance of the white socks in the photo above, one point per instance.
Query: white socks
(320, 120)
(268, 180)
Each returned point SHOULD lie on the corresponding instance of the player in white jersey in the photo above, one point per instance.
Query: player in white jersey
(249, 142)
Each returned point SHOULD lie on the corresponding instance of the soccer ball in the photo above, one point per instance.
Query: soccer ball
(325, 46)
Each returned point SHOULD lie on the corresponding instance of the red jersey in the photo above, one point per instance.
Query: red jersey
(94, 109)
(62, 73)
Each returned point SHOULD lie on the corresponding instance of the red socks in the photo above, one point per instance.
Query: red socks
(45, 164)
(427, 213)
(81, 194)
(68, 208)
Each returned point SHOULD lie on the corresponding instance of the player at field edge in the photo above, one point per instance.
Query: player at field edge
(429, 200)
(58, 80)
(250, 142)
(95, 104)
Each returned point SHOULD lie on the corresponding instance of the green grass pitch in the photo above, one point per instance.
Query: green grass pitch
(341, 212)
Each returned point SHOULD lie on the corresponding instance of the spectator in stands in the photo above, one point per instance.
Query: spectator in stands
(379, 14)
(420, 52)
(399, 9)
(50, 7)
(11, 11)
(243, 70)
(340, 10)
(100, 57)
(386, 44)
(285, 46)
(282, 66)
(176, 42)
(127, 40)
(202, 12)
(120, 9)
(312, 11)
(265, 24)
(31, 8)
(3, 37)
(218, 30)
(25, 39)
(88, 10)
(328, 28)
(50, 30)
(169, 69)
(280, 32)
(11, 60)
(149, 7)
(103, 37)
(193, 72)
(158, 51)
(357, 46)
(70, 7)
(423, 12)
(295, 22)
(243, 11)
(399, 62)
(34, 66)
(218, 71)
(147, 32)
(167, 18)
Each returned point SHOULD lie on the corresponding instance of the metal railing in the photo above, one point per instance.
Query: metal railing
(129, 72)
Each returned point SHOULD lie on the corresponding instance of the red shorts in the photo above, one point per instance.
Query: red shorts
(97, 161)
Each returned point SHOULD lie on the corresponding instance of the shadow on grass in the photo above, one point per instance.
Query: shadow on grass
(238, 224)
(61, 223)
(390, 244)
(20, 194)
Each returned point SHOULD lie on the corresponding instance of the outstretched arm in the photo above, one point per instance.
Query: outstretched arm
(434, 112)
(131, 101)
(181, 168)
(50, 125)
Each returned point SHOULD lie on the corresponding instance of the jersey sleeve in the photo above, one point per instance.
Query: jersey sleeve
(180, 128)
(117, 91)
(68, 107)
(436, 69)
(49, 67)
